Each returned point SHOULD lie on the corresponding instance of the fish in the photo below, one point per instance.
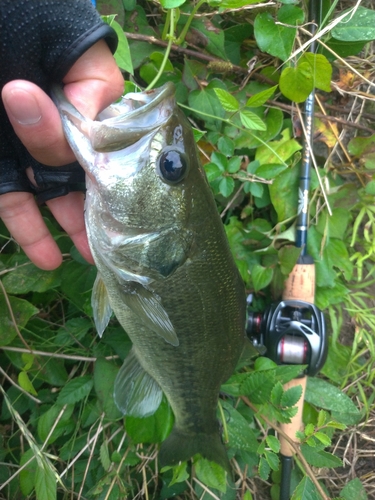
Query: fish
(165, 268)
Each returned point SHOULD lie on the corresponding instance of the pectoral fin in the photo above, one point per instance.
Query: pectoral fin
(148, 307)
(101, 307)
(136, 393)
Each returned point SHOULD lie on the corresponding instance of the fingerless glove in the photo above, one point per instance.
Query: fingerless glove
(40, 40)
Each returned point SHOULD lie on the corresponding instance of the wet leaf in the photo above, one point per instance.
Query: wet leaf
(358, 25)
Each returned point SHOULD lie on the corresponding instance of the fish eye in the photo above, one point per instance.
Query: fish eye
(172, 166)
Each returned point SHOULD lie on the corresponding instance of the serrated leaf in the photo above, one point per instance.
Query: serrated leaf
(264, 469)
(291, 396)
(323, 438)
(306, 491)
(354, 489)
(272, 459)
(273, 443)
(260, 98)
(234, 164)
(258, 387)
(252, 121)
(180, 473)
(320, 458)
(276, 394)
(227, 100)
(75, 390)
(45, 483)
(211, 474)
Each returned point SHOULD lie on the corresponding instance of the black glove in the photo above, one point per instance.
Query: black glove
(40, 40)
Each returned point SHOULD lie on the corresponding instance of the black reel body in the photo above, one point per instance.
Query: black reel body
(293, 332)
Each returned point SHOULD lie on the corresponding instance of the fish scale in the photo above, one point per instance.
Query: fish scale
(164, 265)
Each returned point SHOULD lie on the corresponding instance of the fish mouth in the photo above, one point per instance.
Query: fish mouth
(124, 123)
(137, 115)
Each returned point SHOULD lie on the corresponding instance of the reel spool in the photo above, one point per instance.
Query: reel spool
(293, 332)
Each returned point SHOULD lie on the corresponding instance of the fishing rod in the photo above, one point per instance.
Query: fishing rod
(293, 330)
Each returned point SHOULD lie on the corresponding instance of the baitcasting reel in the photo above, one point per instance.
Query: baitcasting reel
(293, 332)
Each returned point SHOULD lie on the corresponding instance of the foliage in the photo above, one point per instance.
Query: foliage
(61, 433)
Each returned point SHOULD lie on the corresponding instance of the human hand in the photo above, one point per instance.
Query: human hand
(92, 83)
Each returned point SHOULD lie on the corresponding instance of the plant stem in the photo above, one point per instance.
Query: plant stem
(170, 37)
(181, 38)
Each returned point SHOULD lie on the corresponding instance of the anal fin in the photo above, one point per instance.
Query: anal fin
(136, 393)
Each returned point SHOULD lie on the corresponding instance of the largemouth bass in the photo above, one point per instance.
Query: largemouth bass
(164, 264)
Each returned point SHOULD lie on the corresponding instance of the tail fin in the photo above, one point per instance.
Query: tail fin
(180, 446)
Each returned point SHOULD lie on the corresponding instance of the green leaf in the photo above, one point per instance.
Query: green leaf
(104, 456)
(320, 458)
(206, 101)
(22, 311)
(172, 4)
(274, 121)
(270, 170)
(321, 70)
(227, 100)
(152, 429)
(273, 443)
(180, 473)
(273, 38)
(354, 489)
(104, 378)
(326, 396)
(241, 436)
(25, 383)
(45, 483)
(358, 25)
(211, 474)
(252, 121)
(276, 153)
(264, 468)
(226, 146)
(234, 164)
(48, 419)
(261, 277)
(261, 97)
(272, 459)
(258, 386)
(27, 474)
(291, 396)
(75, 390)
(297, 83)
(226, 186)
(29, 278)
(306, 491)
(123, 54)
(323, 438)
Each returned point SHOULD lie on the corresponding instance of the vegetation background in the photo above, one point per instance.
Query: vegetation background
(242, 70)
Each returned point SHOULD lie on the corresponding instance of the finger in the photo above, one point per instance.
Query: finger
(36, 121)
(93, 83)
(68, 211)
(25, 223)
